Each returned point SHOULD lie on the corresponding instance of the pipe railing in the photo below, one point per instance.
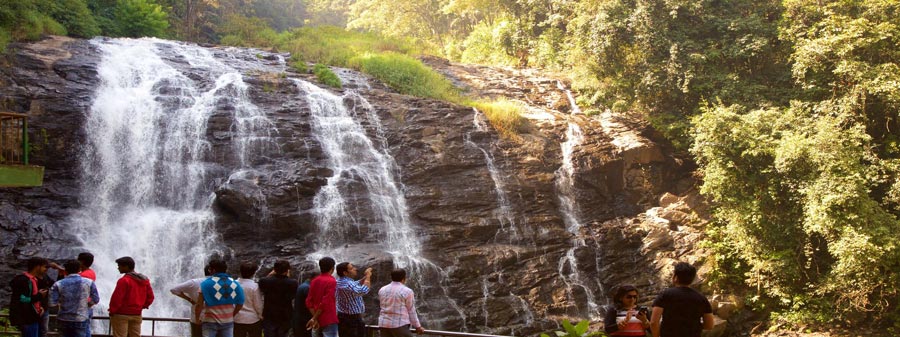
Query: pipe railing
(370, 329)
(13, 138)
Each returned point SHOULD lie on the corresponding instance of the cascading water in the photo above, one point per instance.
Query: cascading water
(565, 185)
(381, 222)
(504, 212)
(572, 103)
(146, 189)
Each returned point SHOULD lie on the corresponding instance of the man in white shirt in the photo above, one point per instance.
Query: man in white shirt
(398, 308)
(248, 322)
(190, 291)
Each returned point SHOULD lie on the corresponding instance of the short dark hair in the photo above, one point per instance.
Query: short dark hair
(72, 267)
(397, 275)
(281, 266)
(248, 269)
(126, 261)
(685, 273)
(218, 266)
(86, 259)
(622, 291)
(326, 264)
(35, 262)
(307, 275)
(342, 268)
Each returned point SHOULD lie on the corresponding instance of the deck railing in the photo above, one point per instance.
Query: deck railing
(13, 138)
(371, 330)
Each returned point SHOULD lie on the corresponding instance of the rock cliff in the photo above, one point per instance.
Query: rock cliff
(486, 209)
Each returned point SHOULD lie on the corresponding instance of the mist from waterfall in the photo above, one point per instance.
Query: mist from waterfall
(145, 181)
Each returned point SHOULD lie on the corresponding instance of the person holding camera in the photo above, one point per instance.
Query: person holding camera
(626, 318)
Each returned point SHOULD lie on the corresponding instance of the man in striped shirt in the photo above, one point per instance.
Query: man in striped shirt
(350, 306)
(222, 299)
(398, 307)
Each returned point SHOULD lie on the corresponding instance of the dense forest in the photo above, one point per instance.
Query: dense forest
(789, 107)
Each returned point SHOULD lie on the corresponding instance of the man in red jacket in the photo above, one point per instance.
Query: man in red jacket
(132, 295)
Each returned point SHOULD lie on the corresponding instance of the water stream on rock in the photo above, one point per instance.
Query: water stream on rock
(147, 186)
(379, 223)
(504, 213)
(569, 270)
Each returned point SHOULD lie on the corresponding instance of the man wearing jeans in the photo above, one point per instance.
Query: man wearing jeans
(320, 300)
(75, 295)
(222, 299)
(132, 295)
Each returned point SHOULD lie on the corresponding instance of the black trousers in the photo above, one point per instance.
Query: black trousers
(351, 325)
(248, 330)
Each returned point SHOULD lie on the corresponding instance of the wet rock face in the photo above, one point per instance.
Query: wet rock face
(503, 250)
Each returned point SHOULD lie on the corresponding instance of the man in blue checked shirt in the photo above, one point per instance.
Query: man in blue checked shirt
(350, 306)
(75, 295)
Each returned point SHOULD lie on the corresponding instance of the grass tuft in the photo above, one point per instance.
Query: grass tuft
(407, 75)
(505, 116)
(326, 76)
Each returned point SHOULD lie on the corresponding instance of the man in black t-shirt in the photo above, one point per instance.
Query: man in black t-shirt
(681, 307)
(278, 291)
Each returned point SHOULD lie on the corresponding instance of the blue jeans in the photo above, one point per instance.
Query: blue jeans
(74, 329)
(31, 330)
(211, 329)
(330, 330)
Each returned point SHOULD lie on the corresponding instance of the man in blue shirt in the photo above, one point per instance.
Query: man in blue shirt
(75, 295)
(350, 306)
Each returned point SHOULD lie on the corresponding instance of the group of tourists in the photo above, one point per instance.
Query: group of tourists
(33, 293)
(275, 306)
(679, 311)
(279, 305)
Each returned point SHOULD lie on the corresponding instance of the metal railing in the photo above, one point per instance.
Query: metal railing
(13, 138)
(371, 330)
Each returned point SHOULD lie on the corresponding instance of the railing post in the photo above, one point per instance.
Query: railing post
(153, 328)
(25, 146)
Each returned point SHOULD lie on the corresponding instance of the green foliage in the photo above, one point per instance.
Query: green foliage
(505, 116)
(407, 75)
(21, 20)
(481, 45)
(139, 18)
(326, 76)
(74, 15)
(335, 46)
(793, 188)
(578, 330)
(667, 58)
(244, 31)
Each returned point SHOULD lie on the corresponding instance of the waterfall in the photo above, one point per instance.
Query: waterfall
(572, 103)
(381, 222)
(146, 187)
(503, 213)
(565, 185)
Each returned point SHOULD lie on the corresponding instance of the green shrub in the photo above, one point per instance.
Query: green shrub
(481, 46)
(243, 31)
(326, 76)
(505, 116)
(407, 75)
(139, 18)
(578, 330)
(74, 15)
